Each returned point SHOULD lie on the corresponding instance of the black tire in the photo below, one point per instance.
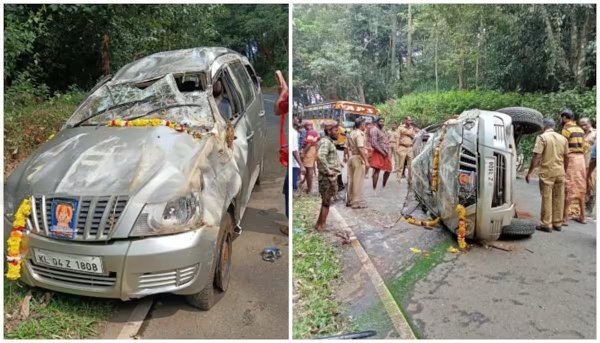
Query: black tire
(526, 120)
(217, 284)
(519, 227)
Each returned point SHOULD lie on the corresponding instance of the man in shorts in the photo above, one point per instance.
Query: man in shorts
(329, 167)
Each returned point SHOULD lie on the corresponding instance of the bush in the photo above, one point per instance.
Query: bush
(430, 107)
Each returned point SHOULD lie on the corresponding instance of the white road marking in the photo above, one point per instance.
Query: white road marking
(396, 316)
(136, 319)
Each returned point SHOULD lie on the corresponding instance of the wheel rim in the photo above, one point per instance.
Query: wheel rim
(224, 265)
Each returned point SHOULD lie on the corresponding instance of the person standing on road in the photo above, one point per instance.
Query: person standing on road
(380, 159)
(329, 167)
(297, 166)
(589, 138)
(393, 138)
(575, 183)
(310, 155)
(551, 154)
(405, 142)
(368, 128)
(592, 165)
(357, 163)
(281, 110)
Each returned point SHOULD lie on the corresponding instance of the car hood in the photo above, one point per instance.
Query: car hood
(109, 161)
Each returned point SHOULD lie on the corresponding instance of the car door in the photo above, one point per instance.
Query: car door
(243, 141)
(254, 114)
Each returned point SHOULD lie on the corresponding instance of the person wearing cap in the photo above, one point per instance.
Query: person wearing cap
(380, 159)
(357, 163)
(329, 167)
(575, 182)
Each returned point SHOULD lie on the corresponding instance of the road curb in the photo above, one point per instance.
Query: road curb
(395, 314)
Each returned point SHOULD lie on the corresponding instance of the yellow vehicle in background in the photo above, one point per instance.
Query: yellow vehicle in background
(344, 112)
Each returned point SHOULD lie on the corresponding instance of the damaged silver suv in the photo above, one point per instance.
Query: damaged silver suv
(476, 169)
(144, 188)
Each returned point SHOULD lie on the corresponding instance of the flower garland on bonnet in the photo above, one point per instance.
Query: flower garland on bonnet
(16, 249)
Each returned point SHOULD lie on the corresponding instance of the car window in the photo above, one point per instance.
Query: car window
(232, 93)
(253, 76)
(243, 81)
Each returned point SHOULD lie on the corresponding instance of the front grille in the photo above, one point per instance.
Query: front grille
(96, 216)
(499, 181)
(72, 277)
(468, 160)
(177, 277)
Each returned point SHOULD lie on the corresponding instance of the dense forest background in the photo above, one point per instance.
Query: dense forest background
(431, 61)
(54, 53)
(64, 45)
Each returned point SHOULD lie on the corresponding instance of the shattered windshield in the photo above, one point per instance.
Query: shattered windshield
(162, 99)
(349, 119)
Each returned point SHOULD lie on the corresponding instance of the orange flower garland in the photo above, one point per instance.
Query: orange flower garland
(462, 223)
(153, 122)
(14, 251)
(436, 159)
(418, 222)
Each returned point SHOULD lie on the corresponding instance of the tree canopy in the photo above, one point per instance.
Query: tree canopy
(371, 53)
(57, 45)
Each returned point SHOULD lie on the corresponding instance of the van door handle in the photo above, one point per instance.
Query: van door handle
(261, 113)
(249, 137)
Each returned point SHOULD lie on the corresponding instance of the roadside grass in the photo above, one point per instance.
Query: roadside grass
(52, 315)
(316, 273)
(29, 123)
(419, 269)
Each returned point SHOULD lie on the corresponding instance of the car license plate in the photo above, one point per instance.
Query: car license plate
(87, 264)
(490, 171)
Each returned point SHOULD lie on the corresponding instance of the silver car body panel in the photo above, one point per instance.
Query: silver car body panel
(476, 169)
(99, 165)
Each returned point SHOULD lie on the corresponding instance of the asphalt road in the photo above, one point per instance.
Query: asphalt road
(256, 303)
(546, 292)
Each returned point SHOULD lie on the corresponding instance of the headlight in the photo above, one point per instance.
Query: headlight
(176, 216)
(9, 204)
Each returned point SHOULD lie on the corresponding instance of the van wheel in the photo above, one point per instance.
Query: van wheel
(519, 227)
(526, 120)
(220, 270)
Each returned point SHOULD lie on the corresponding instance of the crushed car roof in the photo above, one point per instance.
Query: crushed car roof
(171, 62)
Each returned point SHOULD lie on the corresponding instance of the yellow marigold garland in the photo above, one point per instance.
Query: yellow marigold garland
(153, 122)
(436, 160)
(14, 251)
(462, 223)
(420, 222)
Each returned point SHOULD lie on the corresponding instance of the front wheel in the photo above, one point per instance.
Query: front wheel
(220, 270)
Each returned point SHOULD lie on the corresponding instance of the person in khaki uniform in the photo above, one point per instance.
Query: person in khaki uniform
(329, 167)
(356, 146)
(551, 153)
(589, 137)
(393, 138)
(404, 151)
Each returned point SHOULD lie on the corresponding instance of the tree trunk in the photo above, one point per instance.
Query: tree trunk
(437, 85)
(105, 55)
(410, 29)
(393, 44)
(580, 75)
(361, 93)
(461, 70)
(479, 38)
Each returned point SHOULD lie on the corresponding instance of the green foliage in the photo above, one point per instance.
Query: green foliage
(64, 44)
(62, 316)
(376, 52)
(316, 272)
(430, 107)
